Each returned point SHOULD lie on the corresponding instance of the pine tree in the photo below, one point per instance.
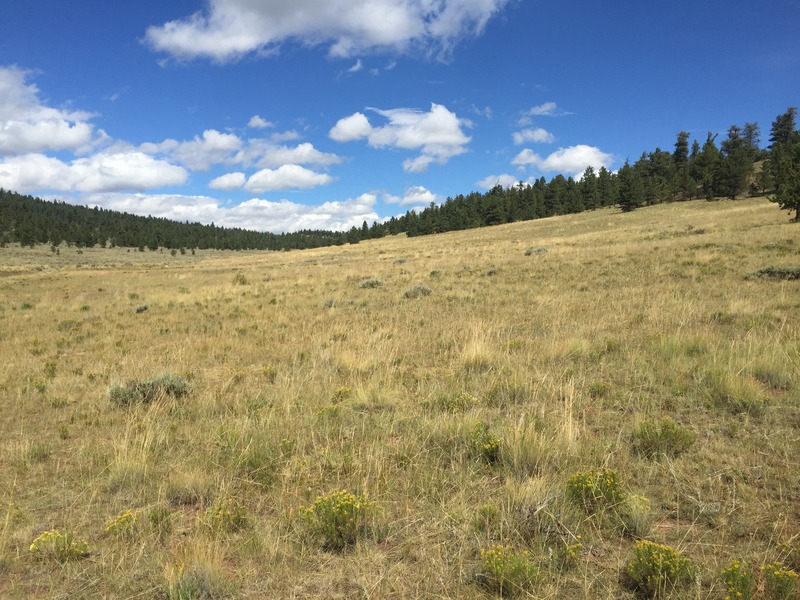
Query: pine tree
(631, 190)
(784, 162)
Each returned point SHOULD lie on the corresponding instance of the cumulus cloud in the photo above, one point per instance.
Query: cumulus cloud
(572, 161)
(227, 30)
(504, 180)
(351, 128)
(104, 171)
(265, 154)
(537, 136)
(257, 122)
(417, 196)
(216, 148)
(200, 153)
(437, 134)
(228, 182)
(28, 126)
(547, 109)
(285, 177)
(256, 213)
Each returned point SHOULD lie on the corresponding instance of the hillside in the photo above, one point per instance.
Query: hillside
(512, 408)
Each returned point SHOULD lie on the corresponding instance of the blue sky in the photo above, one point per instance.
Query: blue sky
(276, 115)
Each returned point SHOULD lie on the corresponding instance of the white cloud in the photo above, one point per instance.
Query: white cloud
(268, 155)
(416, 195)
(257, 122)
(256, 214)
(437, 134)
(228, 182)
(28, 126)
(104, 171)
(572, 161)
(356, 67)
(505, 180)
(230, 29)
(547, 109)
(351, 128)
(200, 153)
(286, 177)
(537, 135)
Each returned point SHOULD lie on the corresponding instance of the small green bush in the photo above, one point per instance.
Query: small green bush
(785, 273)
(61, 547)
(780, 582)
(370, 283)
(196, 581)
(665, 438)
(225, 515)
(656, 570)
(143, 392)
(339, 518)
(484, 444)
(506, 571)
(740, 581)
(595, 490)
(417, 291)
(455, 403)
(735, 393)
(240, 279)
(123, 525)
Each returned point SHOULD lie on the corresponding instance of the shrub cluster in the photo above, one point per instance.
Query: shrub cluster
(61, 547)
(339, 518)
(665, 438)
(506, 571)
(656, 570)
(144, 392)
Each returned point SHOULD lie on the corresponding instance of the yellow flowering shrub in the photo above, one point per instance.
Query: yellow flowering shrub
(485, 445)
(595, 489)
(339, 518)
(61, 547)
(740, 581)
(780, 582)
(123, 525)
(657, 570)
(506, 571)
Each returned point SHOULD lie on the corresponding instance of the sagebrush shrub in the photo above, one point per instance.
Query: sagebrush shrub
(144, 392)
(417, 291)
(371, 283)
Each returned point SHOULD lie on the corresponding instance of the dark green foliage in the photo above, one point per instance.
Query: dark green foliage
(783, 162)
(786, 273)
(143, 392)
(665, 438)
(658, 176)
(28, 220)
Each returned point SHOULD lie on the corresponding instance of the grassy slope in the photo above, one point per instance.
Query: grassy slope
(627, 317)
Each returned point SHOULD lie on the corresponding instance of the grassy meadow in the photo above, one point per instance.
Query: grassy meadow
(512, 411)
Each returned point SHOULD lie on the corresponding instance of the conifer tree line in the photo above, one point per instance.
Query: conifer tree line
(735, 167)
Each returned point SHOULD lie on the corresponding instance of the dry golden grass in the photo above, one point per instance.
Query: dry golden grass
(303, 382)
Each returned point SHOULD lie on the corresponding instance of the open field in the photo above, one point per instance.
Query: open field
(544, 349)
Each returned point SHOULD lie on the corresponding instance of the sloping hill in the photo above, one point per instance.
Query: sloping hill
(511, 409)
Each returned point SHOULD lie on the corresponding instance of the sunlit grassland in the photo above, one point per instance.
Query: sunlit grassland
(302, 381)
